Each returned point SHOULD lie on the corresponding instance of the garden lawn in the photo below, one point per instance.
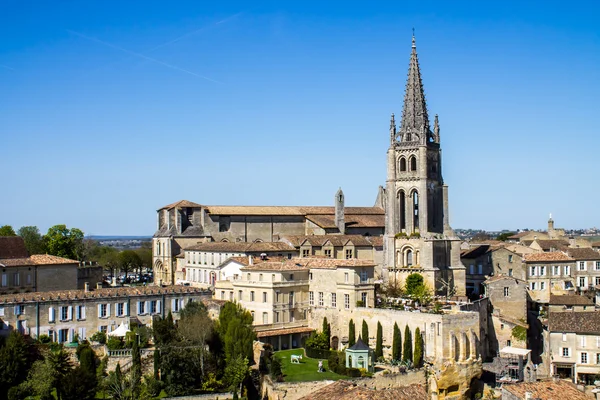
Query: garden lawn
(306, 370)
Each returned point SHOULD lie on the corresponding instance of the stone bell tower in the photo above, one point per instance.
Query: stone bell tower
(416, 198)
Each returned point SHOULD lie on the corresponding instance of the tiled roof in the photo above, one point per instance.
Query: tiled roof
(240, 247)
(283, 331)
(345, 390)
(12, 247)
(291, 210)
(476, 252)
(336, 240)
(296, 264)
(552, 244)
(574, 321)
(551, 256)
(98, 293)
(376, 241)
(181, 204)
(584, 253)
(188, 231)
(350, 221)
(546, 390)
(520, 234)
(501, 277)
(570, 300)
(37, 260)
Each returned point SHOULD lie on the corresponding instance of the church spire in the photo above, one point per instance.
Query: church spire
(393, 129)
(415, 122)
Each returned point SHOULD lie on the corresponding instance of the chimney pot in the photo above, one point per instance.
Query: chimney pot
(86, 287)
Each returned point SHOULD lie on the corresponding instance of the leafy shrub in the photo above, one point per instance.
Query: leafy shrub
(45, 339)
(114, 343)
(99, 337)
(152, 387)
(401, 235)
(519, 333)
(353, 372)
(360, 303)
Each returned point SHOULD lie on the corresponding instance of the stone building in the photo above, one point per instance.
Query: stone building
(22, 273)
(184, 224)
(418, 237)
(574, 343)
(549, 273)
(508, 300)
(587, 268)
(478, 264)
(64, 314)
(508, 260)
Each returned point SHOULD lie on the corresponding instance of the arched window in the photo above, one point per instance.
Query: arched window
(409, 258)
(415, 198)
(401, 211)
(413, 163)
(402, 164)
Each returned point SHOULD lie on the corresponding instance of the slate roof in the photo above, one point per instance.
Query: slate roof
(12, 247)
(546, 390)
(65, 295)
(574, 322)
(359, 345)
(345, 390)
(37, 260)
(550, 256)
(570, 300)
(584, 253)
(188, 231)
(477, 251)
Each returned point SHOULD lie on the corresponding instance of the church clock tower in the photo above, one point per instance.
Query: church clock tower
(418, 237)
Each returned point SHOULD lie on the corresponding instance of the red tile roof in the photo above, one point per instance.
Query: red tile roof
(37, 260)
(12, 247)
(550, 256)
(344, 390)
(296, 264)
(181, 204)
(546, 390)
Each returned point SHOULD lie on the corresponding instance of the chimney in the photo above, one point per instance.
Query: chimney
(98, 285)
(86, 287)
(339, 211)
(250, 261)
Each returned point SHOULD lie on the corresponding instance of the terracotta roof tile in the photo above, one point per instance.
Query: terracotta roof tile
(241, 247)
(546, 390)
(98, 293)
(552, 244)
(283, 331)
(291, 210)
(584, 253)
(37, 260)
(570, 300)
(181, 204)
(12, 247)
(551, 256)
(296, 264)
(350, 221)
(574, 321)
(345, 390)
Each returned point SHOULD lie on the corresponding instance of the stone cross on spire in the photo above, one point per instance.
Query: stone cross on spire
(415, 122)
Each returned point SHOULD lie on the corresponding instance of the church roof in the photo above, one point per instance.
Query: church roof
(180, 204)
(291, 210)
(359, 345)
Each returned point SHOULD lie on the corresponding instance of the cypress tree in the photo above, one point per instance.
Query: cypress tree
(136, 362)
(156, 363)
(327, 331)
(407, 352)
(379, 341)
(418, 358)
(397, 344)
(351, 334)
(365, 332)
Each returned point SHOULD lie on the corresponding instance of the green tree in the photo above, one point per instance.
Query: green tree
(365, 332)
(397, 344)
(145, 255)
(14, 362)
(414, 282)
(351, 333)
(327, 331)
(418, 356)
(276, 372)
(136, 363)
(108, 258)
(235, 372)
(504, 236)
(379, 341)
(63, 242)
(236, 331)
(87, 362)
(79, 384)
(129, 261)
(41, 379)
(317, 340)
(33, 239)
(407, 351)
(7, 230)
(196, 327)
(163, 330)
(61, 364)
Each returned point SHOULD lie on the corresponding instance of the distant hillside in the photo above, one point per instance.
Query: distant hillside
(102, 237)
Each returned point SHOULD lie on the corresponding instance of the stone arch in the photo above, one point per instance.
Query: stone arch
(467, 345)
(225, 240)
(335, 342)
(258, 241)
(402, 164)
(412, 161)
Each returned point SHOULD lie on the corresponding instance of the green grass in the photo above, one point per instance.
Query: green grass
(306, 370)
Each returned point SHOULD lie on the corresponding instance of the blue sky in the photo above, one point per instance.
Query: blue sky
(110, 109)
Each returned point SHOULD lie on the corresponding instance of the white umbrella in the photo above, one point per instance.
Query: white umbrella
(121, 331)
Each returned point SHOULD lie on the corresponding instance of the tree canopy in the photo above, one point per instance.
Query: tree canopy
(63, 242)
(32, 237)
(7, 230)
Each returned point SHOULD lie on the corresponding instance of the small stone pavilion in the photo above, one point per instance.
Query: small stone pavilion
(360, 356)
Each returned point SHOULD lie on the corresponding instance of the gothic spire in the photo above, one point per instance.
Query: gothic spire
(436, 129)
(393, 129)
(415, 122)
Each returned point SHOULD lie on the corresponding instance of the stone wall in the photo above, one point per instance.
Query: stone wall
(57, 277)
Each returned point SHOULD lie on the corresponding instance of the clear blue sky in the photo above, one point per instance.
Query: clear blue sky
(112, 109)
